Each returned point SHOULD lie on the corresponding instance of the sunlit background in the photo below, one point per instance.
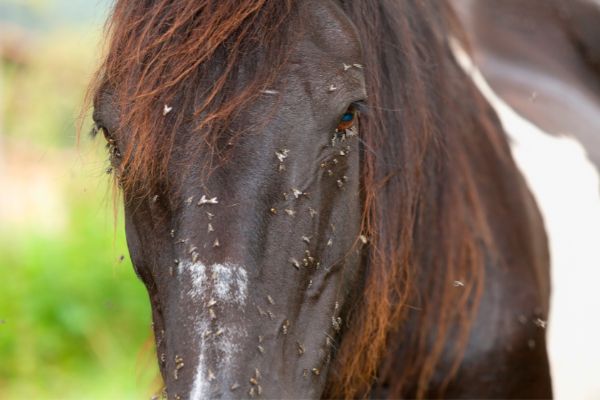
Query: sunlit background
(74, 319)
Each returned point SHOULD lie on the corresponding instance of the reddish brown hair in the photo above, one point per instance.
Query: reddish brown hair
(161, 53)
(423, 207)
(428, 131)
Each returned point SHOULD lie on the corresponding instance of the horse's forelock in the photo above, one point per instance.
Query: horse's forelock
(159, 54)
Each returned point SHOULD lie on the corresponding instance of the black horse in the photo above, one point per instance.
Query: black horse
(321, 203)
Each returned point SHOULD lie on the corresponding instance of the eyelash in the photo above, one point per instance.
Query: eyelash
(111, 143)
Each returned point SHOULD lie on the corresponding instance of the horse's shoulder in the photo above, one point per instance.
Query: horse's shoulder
(508, 334)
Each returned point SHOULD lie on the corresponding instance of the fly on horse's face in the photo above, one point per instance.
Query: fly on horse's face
(249, 267)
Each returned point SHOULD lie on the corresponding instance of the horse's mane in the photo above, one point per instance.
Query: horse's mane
(429, 129)
(426, 128)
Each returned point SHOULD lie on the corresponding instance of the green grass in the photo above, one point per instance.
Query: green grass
(74, 319)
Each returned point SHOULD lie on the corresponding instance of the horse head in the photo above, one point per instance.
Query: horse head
(249, 247)
(314, 191)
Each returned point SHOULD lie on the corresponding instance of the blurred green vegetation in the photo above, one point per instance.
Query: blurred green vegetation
(74, 319)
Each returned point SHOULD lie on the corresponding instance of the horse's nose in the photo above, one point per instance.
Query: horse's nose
(222, 387)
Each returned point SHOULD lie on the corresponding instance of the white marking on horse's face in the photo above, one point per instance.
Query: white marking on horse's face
(228, 281)
(227, 285)
(227, 345)
(565, 184)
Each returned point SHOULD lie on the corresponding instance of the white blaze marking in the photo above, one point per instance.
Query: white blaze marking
(565, 184)
(229, 281)
(227, 285)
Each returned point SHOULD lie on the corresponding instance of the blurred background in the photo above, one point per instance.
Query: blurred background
(74, 319)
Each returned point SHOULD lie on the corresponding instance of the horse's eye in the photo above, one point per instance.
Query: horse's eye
(347, 120)
(111, 143)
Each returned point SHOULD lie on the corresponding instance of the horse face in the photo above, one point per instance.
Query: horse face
(249, 268)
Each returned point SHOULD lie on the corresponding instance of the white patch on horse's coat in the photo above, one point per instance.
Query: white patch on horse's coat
(229, 281)
(226, 343)
(201, 386)
(223, 285)
(565, 184)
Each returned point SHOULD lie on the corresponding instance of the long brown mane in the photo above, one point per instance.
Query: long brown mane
(426, 130)
(424, 212)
